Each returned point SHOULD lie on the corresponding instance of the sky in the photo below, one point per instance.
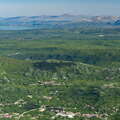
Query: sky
(10, 8)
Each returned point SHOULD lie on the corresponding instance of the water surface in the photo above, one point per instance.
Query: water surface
(17, 27)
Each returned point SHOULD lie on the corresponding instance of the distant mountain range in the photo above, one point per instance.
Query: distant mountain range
(60, 19)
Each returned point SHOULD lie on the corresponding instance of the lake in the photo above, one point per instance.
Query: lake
(17, 27)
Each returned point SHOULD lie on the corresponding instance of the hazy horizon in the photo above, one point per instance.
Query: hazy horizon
(12, 8)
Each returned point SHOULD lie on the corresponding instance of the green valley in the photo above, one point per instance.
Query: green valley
(60, 73)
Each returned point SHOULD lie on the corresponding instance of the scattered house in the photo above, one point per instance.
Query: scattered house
(51, 83)
(47, 97)
(55, 109)
(30, 96)
(13, 54)
(1, 105)
(42, 109)
(91, 115)
(66, 114)
(20, 102)
(61, 112)
(53, 92)
(101, 35)
(16, 114)
(7, 115)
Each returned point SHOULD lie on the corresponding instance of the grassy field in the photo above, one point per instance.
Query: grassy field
(60, 74)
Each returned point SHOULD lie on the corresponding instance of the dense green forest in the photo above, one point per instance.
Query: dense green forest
(60, 74)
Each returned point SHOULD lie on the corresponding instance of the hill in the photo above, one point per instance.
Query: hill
(33, 89)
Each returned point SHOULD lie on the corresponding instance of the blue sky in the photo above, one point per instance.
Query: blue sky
(53, 7)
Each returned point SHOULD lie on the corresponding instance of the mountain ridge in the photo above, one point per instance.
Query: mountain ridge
(56, 19)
